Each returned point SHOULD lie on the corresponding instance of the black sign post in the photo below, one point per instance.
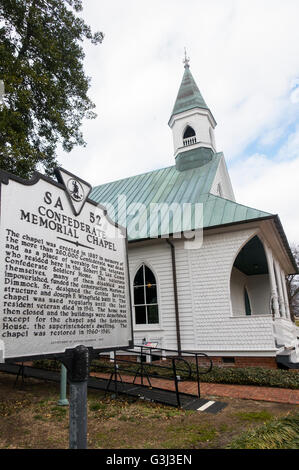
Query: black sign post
(77, 363)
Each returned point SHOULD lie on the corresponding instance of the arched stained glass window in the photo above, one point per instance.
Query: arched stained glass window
(145, 297)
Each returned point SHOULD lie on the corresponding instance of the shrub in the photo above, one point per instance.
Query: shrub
(280, 433)
(258, 376)
(47, 364)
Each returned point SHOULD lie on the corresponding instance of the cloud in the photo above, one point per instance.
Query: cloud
(244, 58)
(290, 148)
(271, 186)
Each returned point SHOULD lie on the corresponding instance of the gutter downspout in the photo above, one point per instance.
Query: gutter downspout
(175, 290)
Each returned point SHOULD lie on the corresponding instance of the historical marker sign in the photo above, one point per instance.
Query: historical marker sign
(63, 269)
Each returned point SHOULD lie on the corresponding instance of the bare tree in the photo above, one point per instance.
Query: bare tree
(293, 286)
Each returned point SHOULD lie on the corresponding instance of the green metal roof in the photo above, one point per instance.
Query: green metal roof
(220, 211)
(171, 186)
(189, 95)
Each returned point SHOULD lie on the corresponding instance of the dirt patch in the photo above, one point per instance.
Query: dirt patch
(31, 418)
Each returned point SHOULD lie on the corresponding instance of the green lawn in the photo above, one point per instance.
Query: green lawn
(31, 419)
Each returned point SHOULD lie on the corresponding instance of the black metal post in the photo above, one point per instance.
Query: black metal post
(197, 375)
(141, 365)
(77, 363)
(176, 383)
(21, 372)
(115, 374)
(175, 291)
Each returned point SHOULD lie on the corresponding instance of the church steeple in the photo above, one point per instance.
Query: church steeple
(189, 96)
(191, 120)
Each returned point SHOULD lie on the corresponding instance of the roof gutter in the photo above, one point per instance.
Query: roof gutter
(175, 291)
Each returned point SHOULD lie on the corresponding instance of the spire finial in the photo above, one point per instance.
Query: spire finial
(186, 60)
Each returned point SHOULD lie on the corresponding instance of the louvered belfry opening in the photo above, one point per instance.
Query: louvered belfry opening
(189, 136)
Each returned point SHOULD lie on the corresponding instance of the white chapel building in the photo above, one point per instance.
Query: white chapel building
(226, 294)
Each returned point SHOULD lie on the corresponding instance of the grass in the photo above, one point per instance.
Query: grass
(39, 417)
(186, 436)
(254, 416)
(96, 406)
(31, 418)
(280, 433)
(126, 409)
(9, 407)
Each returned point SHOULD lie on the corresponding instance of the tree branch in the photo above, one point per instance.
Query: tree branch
(28, 36)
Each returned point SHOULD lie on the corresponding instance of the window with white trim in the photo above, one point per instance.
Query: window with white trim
(145, 297)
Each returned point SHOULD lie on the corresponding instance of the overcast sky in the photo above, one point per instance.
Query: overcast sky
(245, 59)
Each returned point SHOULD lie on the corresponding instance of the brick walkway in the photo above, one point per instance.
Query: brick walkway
(248, 392)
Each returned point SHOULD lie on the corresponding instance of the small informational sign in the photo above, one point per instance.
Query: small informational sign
(149, 344)
(63, 269)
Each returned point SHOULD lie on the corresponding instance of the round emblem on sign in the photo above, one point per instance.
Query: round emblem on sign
(75, 189)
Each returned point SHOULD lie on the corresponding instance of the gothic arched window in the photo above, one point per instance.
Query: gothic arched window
(189, 132)
(189, 136)
(145, 297)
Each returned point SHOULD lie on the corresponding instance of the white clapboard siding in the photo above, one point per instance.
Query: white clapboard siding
(158, 258)
(216, 328)
(187, 324)
(203, 281)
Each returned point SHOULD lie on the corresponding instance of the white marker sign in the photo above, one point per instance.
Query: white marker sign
(63, 269)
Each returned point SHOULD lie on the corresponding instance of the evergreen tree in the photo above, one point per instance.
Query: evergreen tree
(41, 65)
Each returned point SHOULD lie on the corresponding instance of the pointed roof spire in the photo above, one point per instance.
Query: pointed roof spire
(189, 95)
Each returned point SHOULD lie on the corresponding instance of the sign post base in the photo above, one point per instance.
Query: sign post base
(77, 363)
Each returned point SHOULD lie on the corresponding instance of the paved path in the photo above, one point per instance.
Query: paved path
(249, 392)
